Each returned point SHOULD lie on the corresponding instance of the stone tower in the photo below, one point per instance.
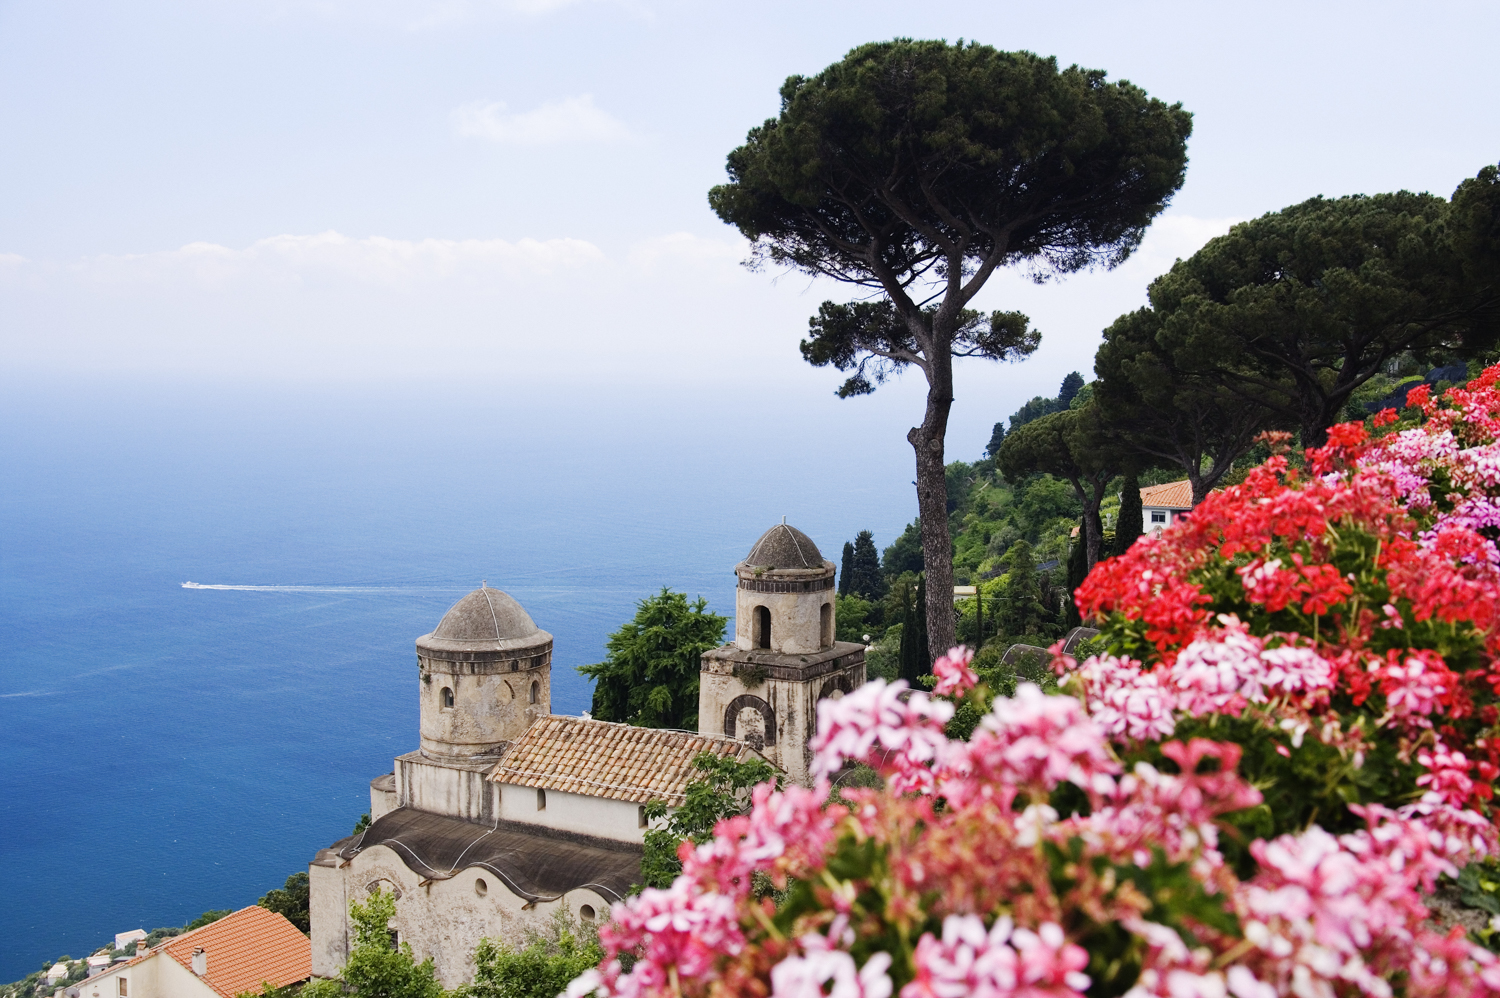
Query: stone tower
(764, 688)
(485, 674)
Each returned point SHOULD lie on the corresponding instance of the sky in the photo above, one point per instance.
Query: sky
(511, 193)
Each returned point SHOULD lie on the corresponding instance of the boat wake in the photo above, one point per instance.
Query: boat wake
(325, 589)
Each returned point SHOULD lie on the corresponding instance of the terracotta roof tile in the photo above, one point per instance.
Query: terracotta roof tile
(602, 759)
(1172, 495)
(245, 948)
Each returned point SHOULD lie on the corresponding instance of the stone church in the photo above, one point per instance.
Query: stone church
(507, 812)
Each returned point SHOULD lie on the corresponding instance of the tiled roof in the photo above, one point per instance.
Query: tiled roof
(617, 761)
(245, 948)
(1172, 495)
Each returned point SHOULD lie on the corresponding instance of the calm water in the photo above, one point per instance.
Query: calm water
(170, 750)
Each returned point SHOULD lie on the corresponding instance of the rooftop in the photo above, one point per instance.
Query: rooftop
(245, 948)
(535, 863)
(1172, 495)
(784, 546)
(615, 761)
(486, 619)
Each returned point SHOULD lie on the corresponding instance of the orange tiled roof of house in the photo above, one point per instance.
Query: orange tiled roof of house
(1172, 495)
(245, 948)
(616, 761)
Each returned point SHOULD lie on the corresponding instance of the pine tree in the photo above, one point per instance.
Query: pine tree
(1131, 523)
(846, 569)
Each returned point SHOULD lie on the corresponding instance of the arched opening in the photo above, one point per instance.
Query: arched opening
(480, 887)
(640, 816)
(447, 698)
(762, 627)
(586, 912)
(536, 689)
(541, 799)
(825, 625)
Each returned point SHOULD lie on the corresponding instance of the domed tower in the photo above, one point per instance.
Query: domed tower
(784, 600)
(764, 688)
(485, 676)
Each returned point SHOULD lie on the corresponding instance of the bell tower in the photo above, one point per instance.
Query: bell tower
(764, 688)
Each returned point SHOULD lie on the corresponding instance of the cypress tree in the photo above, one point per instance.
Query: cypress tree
(1130, 523)
(1071, 386)
(1078, 567)
(846, 569)
(865, 578)
(916, 660)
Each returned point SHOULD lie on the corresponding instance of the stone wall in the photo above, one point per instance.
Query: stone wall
(492, 699)
(445, 919)
(446, 786)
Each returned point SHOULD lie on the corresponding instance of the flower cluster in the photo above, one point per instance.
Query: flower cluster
(1327, 633)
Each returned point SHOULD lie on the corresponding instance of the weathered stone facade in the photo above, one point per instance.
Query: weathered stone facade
(765, 687)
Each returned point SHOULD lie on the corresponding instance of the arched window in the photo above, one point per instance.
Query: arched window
(586, 913)
(447, 698)
(536, 688)
(825, 625)
(762, 627)
(640, 816)
(541, 799)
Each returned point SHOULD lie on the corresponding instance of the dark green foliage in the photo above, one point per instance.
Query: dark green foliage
(846, 568)
(361, 824)
(650, 677)
(1071, 385)
(291, 900)
(916, 662)
(1131, 523)
(864, 577)
(721, 793)
(543, 968)
(904, 553)
(873, 341)
(1034, 410)
(1164, 410)
(1297, 309)
(377, 968)
(1078, 570)
(997, 435)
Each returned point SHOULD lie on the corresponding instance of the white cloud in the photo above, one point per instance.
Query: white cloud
(684, 248)
(11, 259)
(573, 119)
(331, 255)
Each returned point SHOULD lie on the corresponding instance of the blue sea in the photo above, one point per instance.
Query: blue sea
(167, 750)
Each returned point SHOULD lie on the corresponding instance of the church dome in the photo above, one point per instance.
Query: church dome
(784, 547)
(485, 615)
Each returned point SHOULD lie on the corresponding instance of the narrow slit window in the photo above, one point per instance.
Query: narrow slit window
(536, 689)
(541, 799)
(825, 621)
(640, 816)
(447, 698)
(762, 627)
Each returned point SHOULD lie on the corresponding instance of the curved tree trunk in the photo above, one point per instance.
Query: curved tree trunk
(932, 504)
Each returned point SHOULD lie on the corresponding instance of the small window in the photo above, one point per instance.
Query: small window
(825, 622)
(395, 939)
(1158, 516)
(640, 816)
(124, 987)
(447, 698)
(480, 887)
(536, 689)
(762, 627)
(586, 913)
(515, 665)
(541, 799)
